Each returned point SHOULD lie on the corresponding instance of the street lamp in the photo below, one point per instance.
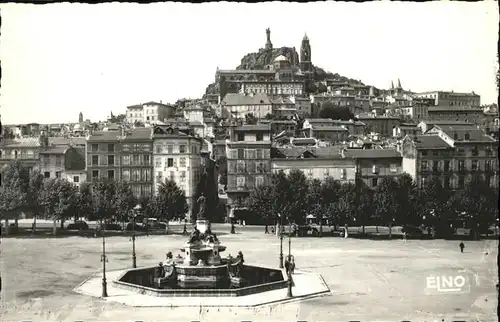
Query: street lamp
(281, 241)
(137, 209)
(104, 259)
(289, 281)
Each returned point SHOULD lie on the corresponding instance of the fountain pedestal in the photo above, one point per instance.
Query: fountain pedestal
(202, 225)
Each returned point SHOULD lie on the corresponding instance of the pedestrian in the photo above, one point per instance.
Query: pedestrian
(404, 237)
(272, 230)
(266, 230)
(462, 246)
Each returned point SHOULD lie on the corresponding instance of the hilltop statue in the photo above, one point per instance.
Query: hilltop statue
(268, 33)
(202, 201)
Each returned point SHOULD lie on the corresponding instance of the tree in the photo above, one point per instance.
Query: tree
(36, 181)
(407, 201)
(14, 191)
(329, 110)
(103, 203)
(124, 200)
(250, 119)
(479, 204)
(59, 199)
(364, 208)
(386, 203)
(207, 185)
(170, 202)
(346, 204)
(84, 197)
(434, 203)
(330, 189)
(296, 196)
(261, 201)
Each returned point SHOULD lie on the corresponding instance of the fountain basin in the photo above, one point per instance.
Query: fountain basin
(258, 279)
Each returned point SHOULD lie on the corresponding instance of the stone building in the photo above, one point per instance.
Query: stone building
(248, 160)
(103, 155)
(64, 162)
(177, 157)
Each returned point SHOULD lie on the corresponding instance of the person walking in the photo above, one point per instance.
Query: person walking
(266, 230)
(404, 237)
(462, 246)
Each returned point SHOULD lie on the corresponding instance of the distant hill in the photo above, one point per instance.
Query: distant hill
(260, 59)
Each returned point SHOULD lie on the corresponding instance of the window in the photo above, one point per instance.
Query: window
(111, 174)
(423, 165)
(172, 176)
(46, 159)
(343, 174)
(146, 160)
(58, 174)
(489, 152)
(240, 166)
(146, 175)
(126, 160)
(95, 174)
(241, 154)
(326, 172)
(446, 165)
(374, 182)
(467, 135)
(435, 153)
(111, 148)
(126, 175)
(158, 148)
(136, 159)
(446, 182)
(259, 181)
(126, 147)
(393, 168)
(475, 151)
(170, 149)
(111, 160)
(182, 148)
(241, 137)
(182, 162)
(461, 165)
(94, 147)
(183, 175)
(475, 165)
(461, 182)
(46, 174)
(240, 182)
(76, 179)
(260, 137)
(95, 160)
(424, 153)
(170, 162)
(460, 152)
(435, 166)
(487, 166)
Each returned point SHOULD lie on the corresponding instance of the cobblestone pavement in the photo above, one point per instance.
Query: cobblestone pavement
(370, 280)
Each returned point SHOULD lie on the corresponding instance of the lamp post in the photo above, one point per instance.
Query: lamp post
(104, 259)
(135, 212)
(281, 240)
(289, 281)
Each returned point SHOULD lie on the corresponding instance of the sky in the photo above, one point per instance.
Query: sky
(62, 59)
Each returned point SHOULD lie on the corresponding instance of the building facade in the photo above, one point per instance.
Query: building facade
(248, 160)
(373, 165)
(177, 157)
(149, 113)
(103, 155)
(238, 106)
(136, 164)
(442, 98)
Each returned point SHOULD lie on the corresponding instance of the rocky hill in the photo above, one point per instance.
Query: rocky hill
(260, 59)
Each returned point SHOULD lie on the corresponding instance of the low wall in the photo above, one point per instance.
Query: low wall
(140, 280)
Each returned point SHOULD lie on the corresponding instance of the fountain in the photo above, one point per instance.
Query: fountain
(202, 270)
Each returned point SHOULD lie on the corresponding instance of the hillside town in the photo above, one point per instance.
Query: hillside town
(255, 122)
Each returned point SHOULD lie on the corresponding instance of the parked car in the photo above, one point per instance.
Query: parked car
(138, 227)
(112, 226)
(412, 231)
(153, 223)
(78, 225)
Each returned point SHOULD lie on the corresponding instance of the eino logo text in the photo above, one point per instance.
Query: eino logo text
(451, 284)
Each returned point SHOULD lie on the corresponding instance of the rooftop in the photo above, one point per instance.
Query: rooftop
(55, 150)
(233, 99)
(475, 135)
(20, 143)
(454, 109)
(254, 127)
(330, 128)
(79, 140)
(372, 153)
(104, 136)
(430, 141)
(138, 134)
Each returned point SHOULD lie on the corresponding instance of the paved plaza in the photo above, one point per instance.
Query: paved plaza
(369, 280)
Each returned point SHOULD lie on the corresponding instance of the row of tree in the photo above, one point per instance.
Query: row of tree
(59, 199)
(393, 202)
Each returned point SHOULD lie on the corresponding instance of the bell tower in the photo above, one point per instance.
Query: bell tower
(305, 55)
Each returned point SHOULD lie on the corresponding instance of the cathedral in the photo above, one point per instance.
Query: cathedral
(278, 75)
